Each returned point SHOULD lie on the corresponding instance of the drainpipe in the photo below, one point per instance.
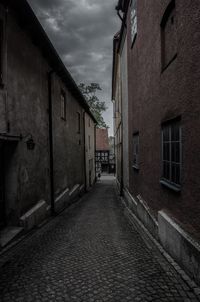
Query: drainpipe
(95, 147)
(122, 166)
(84, 144)
(51, 158)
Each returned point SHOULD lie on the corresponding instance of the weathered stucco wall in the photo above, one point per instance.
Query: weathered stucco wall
(124, 91)
(89, 150)
(25, 90)
(27, 104)
(68, 144)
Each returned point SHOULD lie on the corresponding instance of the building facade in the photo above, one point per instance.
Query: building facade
(163, 43)
(42, 123)
(102, 155)
(120, 108)
(90, 135)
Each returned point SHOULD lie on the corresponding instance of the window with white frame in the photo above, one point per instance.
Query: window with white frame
(171, 153)
(136, 150)
(133, 20)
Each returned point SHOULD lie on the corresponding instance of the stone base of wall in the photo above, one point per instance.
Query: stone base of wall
(37, 214)
(178, 244)
(34, 216)
(62, 200)
(142, 211)
(184, 249)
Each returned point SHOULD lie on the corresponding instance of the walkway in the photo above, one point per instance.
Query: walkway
(87, 254)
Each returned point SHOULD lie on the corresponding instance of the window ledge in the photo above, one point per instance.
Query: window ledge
(170, 185)
(135, 167)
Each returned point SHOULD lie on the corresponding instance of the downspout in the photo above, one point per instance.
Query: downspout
(51, 157)
(122, 166)
(84, 144)
(95, 146)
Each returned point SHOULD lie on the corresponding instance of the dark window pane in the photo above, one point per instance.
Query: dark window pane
(175, 132)
(178, 174)
(173, 179)
(166, 151)
(166, 132)
(175, 147)
(178, 157)
(175, 173)
(166, 170)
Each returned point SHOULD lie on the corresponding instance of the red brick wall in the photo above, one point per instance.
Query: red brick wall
(155, 96)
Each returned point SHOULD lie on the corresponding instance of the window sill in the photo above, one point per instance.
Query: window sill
(170, 185)
(136, 168)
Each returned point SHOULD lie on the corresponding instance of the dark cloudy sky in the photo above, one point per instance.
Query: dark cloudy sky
(82, 33)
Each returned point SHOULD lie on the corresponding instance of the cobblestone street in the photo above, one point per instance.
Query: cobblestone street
(90, 253)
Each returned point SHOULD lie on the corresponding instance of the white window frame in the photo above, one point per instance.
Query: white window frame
(169, 181)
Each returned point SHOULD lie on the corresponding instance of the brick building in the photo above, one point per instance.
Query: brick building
(42, 122)
(163, 124)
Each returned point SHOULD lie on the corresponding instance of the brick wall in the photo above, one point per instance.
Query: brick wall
(156, 95)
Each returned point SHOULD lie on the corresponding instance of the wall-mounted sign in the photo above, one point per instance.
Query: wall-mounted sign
(133, 20)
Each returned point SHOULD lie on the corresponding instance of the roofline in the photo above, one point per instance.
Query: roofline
(28, 19)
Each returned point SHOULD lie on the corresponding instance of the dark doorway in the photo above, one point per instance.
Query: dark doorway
(8, 182)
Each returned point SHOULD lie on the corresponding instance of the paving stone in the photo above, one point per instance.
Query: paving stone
(91, 253)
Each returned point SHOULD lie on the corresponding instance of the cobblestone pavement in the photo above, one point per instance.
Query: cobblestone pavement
(90, 253)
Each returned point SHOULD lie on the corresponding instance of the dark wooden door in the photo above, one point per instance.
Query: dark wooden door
(2, 199)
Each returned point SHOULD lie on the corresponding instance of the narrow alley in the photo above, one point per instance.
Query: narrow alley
(90, 253)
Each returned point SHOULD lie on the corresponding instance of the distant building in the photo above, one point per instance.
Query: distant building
(156, 94)
(102, 151)
(43, 160)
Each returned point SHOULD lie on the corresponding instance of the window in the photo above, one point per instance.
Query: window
(78, 122)
(133, 20)
(168, 35)
(136, 151)
(63, 105)
(171, 153)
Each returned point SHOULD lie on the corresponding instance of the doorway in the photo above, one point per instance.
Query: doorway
(8, 182)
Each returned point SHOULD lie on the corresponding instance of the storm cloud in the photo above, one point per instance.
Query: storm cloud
(82, 33)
